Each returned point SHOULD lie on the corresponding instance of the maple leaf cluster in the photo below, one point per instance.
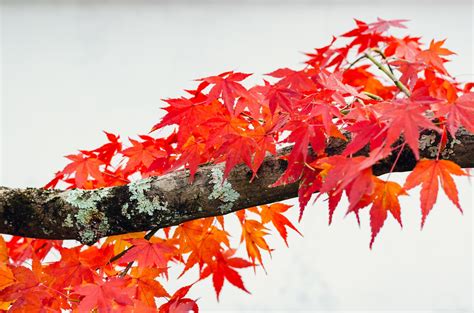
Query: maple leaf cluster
(379, 90)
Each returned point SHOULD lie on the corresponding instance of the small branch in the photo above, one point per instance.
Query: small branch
(355, 61)
(379, 52)
(372, 96)
(390, 75)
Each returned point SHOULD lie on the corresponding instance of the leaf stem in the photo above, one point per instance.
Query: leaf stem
(126, 269)
(390, 75)
(396, 160)
(147, 237)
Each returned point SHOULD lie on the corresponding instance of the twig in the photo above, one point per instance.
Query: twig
(387, 72)
(372, 96)
(354, 62)
(379, 52)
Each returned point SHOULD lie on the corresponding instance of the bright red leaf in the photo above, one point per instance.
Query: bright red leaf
(427, 173)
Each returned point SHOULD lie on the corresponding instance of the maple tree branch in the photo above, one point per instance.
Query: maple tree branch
(390, 74)
(158, 202)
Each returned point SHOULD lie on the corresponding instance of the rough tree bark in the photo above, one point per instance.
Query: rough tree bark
(170, 199)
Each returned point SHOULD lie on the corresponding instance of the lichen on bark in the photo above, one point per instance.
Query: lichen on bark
(222, 190)
(144, 204)
(92, 223)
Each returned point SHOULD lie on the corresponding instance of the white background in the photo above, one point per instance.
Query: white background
(72, 69)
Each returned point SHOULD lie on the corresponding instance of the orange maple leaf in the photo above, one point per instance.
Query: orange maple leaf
(273, 213)
(6, 277)
(147, 287)
(121, 242)
(432, 55)
(253, 233)
(27, 294)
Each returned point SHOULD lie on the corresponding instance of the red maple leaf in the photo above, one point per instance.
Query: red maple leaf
(357, 182)
(194, 151)
(84, 165)
(265, 143)
(223, 269)
(459, 113)
(383, 25)
(143, 153)
(76, 266)
(409, 71)
(309, 183)
(58, 176)
(384, 199)
(179, 304)
(303, 133)
(21, 248)
(406, 48)
(405, 117)
(281, 97)
(427, 173)
(106, 296)
(327, 56)
(107, 151)
(149, 254)
(363, 39)
(27, 293)
(364, 132)
(188, 114)
(236, 149)
(295, 80)
(333, 81)
(227, 87)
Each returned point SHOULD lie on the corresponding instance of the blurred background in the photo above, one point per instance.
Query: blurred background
(70, 69)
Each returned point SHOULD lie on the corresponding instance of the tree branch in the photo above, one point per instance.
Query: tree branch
(169, 200)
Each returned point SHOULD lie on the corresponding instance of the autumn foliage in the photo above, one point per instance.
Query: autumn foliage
(381, 91)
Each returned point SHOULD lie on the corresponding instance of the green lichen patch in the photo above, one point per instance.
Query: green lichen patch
(92, 223)
(83, 199)
(427, 141)
(86, 215)
(125, 211)
(449, 149)
(222, 190)
(68, 222)
(88, 236)
(144, 203)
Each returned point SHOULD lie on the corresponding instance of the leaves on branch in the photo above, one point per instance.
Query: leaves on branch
(378, 105)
